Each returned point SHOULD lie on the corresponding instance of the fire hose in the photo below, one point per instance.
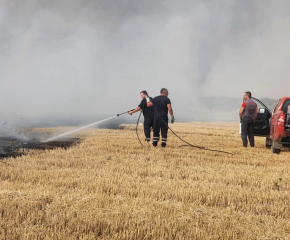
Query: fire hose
(187, 143)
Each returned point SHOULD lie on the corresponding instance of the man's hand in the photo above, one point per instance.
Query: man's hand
(256, 114)
(147, 99)
(241, 112)
(135, 110)
(172, 119)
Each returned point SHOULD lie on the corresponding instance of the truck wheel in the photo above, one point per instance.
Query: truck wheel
(276, 147)
(276, 150)
(268, 142)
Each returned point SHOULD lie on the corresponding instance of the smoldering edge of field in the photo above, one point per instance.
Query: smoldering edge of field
(209, 109)
(15, 136)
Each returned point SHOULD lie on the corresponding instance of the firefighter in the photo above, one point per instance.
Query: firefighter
(248, 115)
(162, 106)
(148, 113)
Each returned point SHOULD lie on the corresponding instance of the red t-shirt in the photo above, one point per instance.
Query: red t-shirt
(243, 104)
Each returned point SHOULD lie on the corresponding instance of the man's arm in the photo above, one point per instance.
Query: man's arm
(135, 110)
(170, 110)
(149, 104)
(149, 101)
(241, 112)
(256, 114)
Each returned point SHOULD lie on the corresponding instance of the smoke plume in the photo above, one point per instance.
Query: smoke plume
(78, 61)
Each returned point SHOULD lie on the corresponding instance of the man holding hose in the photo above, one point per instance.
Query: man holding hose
(162, 105)
(148, 113)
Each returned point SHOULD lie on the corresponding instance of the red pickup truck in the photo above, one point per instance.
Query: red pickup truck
(275, 125)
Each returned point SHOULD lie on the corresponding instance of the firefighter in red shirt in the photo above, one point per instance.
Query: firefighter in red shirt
(248, 115)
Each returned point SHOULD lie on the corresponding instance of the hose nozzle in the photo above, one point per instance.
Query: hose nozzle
(124, 113)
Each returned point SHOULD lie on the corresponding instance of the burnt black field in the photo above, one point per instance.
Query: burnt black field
(13, 147)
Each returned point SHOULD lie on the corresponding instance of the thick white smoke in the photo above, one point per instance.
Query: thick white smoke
(64, 60)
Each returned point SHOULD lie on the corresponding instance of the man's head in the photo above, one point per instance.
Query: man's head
(247, 95)
(143, 94)
(164, 92)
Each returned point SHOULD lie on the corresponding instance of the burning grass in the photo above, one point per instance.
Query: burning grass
(108, 187)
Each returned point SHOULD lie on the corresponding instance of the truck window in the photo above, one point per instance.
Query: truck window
(285, 106)
(276, 105)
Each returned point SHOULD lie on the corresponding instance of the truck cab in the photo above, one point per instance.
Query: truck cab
(274, 125)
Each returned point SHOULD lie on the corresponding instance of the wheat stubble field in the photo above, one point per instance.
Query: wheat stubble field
(108, 187)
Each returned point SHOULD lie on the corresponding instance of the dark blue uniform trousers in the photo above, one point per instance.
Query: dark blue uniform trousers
(247, 131)
(159, 124)
(148, 125)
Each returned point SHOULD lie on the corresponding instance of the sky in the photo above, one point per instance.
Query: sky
(74, 59)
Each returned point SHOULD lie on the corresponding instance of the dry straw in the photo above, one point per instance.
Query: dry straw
(108, 187)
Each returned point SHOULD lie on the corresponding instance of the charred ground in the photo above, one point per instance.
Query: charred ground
(13, 147)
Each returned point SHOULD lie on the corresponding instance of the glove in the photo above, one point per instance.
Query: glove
(147, 99)
(172, 119)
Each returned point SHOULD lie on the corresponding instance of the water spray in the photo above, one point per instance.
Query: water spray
(84, 127)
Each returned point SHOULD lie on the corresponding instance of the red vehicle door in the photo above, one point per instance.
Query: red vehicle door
(279, 119)
(274, 119)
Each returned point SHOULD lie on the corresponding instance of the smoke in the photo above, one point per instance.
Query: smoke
(82, 60)
(11, 131)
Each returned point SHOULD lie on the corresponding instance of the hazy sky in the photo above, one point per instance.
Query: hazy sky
(72, 58)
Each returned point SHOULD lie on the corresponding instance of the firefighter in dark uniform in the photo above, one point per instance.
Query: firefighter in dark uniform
(162, 106)
(148, 113)
(248, 115)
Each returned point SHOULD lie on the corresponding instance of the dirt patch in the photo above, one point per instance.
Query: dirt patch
(13, 147)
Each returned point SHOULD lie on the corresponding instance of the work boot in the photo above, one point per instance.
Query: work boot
(154, 144)
(163, 144)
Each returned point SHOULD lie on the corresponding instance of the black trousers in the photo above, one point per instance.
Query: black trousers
(159, 124)
(148, 125)
(248, 131)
